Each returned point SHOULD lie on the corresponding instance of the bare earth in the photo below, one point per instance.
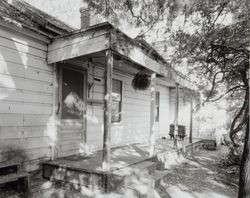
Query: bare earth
(201, 176)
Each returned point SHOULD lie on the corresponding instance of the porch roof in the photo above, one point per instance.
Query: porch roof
(105, 36)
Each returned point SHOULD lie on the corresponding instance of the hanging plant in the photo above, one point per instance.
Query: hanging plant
(141, 81)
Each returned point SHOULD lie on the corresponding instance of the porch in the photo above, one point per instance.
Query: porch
(131, 166)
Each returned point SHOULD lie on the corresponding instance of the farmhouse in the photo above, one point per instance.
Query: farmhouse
(65, 92)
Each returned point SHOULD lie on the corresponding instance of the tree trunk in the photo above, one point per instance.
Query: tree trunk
(244, 180)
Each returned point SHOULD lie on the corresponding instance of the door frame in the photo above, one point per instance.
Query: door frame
(84, 71)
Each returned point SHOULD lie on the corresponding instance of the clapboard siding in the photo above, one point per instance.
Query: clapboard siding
(162, 127)
(26, 84)
(135, 122)
(22, 39)
(11, 44)
(134, 127)
(17, 132)
(13, 82)
(25, 108)
(95, 111)
(25, 96)
(13, 69)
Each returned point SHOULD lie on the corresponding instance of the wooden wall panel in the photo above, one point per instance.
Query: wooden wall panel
(26, 84)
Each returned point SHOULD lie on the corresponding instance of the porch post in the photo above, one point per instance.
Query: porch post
(152, 115)
(54, 153)
(191, 123)
(176, 114)
(107, 111)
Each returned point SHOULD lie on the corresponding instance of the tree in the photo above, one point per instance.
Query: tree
(211, 38)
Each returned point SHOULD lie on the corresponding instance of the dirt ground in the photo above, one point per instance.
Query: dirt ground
(199, 176)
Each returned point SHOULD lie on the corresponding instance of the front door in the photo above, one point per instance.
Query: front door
(72, 124)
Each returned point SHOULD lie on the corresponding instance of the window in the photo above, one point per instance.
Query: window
(72, 94)
(116, 100)
(157, 106)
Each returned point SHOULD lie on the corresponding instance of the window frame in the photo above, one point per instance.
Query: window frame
(83, 71)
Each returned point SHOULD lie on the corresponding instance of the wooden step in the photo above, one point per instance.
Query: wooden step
(22, 180)
(9, 168)
(12, 177)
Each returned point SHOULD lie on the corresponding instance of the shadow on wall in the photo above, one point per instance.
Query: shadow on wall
(14, 155)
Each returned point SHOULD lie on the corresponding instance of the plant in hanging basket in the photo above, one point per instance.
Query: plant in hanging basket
(141, 81)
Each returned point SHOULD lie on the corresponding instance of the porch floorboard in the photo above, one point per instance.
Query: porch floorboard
(121, 157)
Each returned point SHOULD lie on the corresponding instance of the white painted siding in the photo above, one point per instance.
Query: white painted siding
(26, 84)
(162, 127)
(135, 121)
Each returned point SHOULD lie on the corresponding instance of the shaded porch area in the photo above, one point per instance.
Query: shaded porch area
(131, 165)
(121, 157)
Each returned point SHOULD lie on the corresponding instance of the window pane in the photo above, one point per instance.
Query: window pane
(157, 106)
(116, 117)
(72, 94)
(116, 86)
(116, 100)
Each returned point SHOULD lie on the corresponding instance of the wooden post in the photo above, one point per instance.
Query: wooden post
(191, 123)
(152, 115)
(107, 111)
(176, 114)
(55, 110)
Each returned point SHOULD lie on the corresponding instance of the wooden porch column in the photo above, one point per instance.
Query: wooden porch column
(176, 114)
(107, 111)
(55, 146)
(152, 115)
(191, 123)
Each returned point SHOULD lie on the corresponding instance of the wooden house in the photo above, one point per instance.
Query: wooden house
(56, 88)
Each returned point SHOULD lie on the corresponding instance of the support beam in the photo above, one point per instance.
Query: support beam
(191, 123)
(176, 114)
(54, 153)
(107, 111)
(152, 114)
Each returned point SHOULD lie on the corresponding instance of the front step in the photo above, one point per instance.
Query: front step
(97, 180)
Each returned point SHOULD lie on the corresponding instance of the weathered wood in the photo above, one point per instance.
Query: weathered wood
(12, 44)
(152, 114)
(24, 143)
(12, 177)
(14, 82)
(191, 123)
(176, 114)
(19, 70)
(72, 50)
(20, 95)
(125, 47)
(25, 108)
(107, 111)
(21, 58)
(23, 36)
(54, 112)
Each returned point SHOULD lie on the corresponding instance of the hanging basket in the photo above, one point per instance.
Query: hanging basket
(141, 81)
